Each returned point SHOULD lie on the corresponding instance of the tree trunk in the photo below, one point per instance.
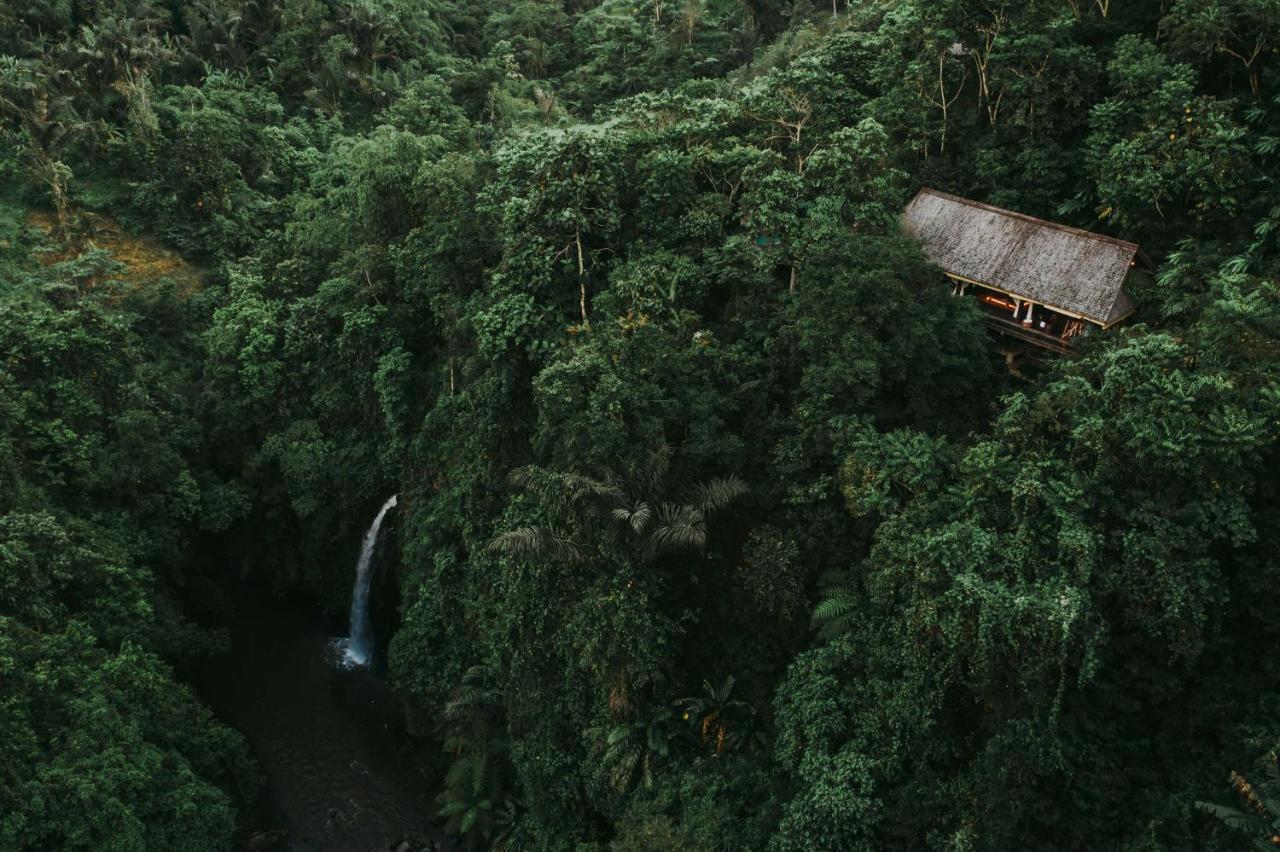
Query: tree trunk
(582, 280)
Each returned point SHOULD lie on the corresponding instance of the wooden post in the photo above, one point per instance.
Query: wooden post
(1031, 311)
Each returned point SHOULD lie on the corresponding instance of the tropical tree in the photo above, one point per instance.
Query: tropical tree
(635, 749)
(1258, 814)
(558, 197)
(475, 798)
(633, 508)
(1242, 31)
(721, 722)
(1158, 151)
(44, 123)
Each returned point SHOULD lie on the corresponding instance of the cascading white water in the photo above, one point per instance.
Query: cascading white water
(357, 648)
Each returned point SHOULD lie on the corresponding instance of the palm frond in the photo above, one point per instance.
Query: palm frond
(715, 494)
(475, 674)
(534, 480)
(678, 527)
(604, 490)
(467, 771)
(538, 541)
(1230, 816)
(637, 516)
(453, 807)
(655, 467)
(622, 760)
(1258, 814)
(472, 704)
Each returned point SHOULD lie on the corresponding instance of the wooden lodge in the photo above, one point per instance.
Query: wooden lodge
(1039, 283)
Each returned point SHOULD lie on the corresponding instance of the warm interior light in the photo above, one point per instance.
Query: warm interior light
(998, 302)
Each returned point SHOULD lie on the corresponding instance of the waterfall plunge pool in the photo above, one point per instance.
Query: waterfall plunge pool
(341, 773)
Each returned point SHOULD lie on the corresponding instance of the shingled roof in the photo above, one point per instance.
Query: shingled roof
(1072, 271)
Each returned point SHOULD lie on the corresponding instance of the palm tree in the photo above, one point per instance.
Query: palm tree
(631, 510)
(631, 506)
(1259, 814)
(116, 52)
(720, 718)
(633, 749)
(41, 120)
(216, 28)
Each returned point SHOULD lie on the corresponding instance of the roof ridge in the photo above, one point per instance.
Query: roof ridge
(1044, 223)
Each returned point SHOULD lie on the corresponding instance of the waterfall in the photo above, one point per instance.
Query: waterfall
(357, 649)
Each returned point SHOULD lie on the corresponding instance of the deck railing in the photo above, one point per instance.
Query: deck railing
(1013, 328)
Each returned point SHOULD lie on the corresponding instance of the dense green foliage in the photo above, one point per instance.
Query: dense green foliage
(99, 445)
(722, 526)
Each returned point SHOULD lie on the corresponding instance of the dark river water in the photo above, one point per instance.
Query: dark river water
(340, 774)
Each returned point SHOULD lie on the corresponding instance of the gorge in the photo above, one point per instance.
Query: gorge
(534, 426)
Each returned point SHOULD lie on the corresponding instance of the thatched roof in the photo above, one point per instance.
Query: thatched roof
(1072, 271)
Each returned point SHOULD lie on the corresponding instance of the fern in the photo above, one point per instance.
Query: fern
(834, 615)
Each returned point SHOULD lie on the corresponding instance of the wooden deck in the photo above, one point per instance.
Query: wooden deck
(1018, 331)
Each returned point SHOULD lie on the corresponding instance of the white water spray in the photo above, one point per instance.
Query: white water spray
(357, 649)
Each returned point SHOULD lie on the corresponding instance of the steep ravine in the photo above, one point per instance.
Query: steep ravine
(340, 774)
